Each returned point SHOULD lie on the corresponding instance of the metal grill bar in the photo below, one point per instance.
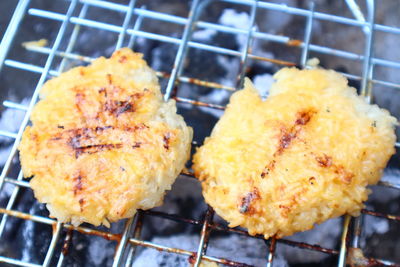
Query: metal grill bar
(17, 182)
(152, 36)
(181, 54)
(122, 244)
(54, 239)
(37, 69)
(343, 245)
(65, 55)
(218, 227)
(357, 231)
(366, 91)
(117, 237)
(12, 30)
(65, 248)
(318, 15)
(271, 252)
(53, 73)
(10, 204)
(285, 40)
(263, 35)
(366, 88)
(307, 37)
(136, 27)
(72, 39)
(247, 47)
(128, 225)
(124, 240)
(17, 262)
(7, 165)
(35, 96)
(136, 234)
(125, 24)
(9, 104)
(205, 233)
(8, 134)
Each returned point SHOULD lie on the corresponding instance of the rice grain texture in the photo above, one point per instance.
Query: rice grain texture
(304, 155)
(103, 143)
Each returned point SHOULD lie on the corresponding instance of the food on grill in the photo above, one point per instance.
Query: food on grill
(304, 155)
(103, 142)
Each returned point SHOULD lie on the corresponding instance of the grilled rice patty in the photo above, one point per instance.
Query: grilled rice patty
(304, 155)
(103, 142)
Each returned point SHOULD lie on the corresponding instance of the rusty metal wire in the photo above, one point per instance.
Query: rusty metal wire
(130, 237)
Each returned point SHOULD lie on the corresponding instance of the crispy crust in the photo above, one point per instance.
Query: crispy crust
(304, 155)
(103, 143)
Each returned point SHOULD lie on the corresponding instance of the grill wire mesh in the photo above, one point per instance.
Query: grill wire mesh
(130, 237)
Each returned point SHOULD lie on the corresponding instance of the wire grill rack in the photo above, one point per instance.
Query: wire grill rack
(130, 29)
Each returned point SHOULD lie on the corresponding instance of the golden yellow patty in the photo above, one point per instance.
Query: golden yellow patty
(304, 155)
(103, 143)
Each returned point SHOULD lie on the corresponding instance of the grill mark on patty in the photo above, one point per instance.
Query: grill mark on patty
(83, 140)
(88, 130)
(270, 167)
(293, 201)
(118, 107)
(91, 149)
(287, 136)
(99, 129)
(109, 79)
(344, 175)
(284, 210)
(103, 90)
(246, 205)
(139, 126)
(79, 100)
(84, 134)
(137, 145)
(114, 107)
(81, 202)
(304, 117)
(285, 140)
(77, 136)
(78, 184)
(324, 161)
(78, 187)
(166, 139)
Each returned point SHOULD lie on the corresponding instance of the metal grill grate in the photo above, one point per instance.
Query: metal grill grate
(129, 238)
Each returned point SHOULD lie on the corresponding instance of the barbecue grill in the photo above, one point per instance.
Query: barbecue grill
(57, 57)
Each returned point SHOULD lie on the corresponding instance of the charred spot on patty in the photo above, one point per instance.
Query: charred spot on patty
(109, 79)
(166, 139)
(137, 145)
(122, 59)
(289, 134)
(303, 117)
(344, 175)
(78, 184)
(118, 107)
(268, 168)
(246, 205)
(324, 161)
